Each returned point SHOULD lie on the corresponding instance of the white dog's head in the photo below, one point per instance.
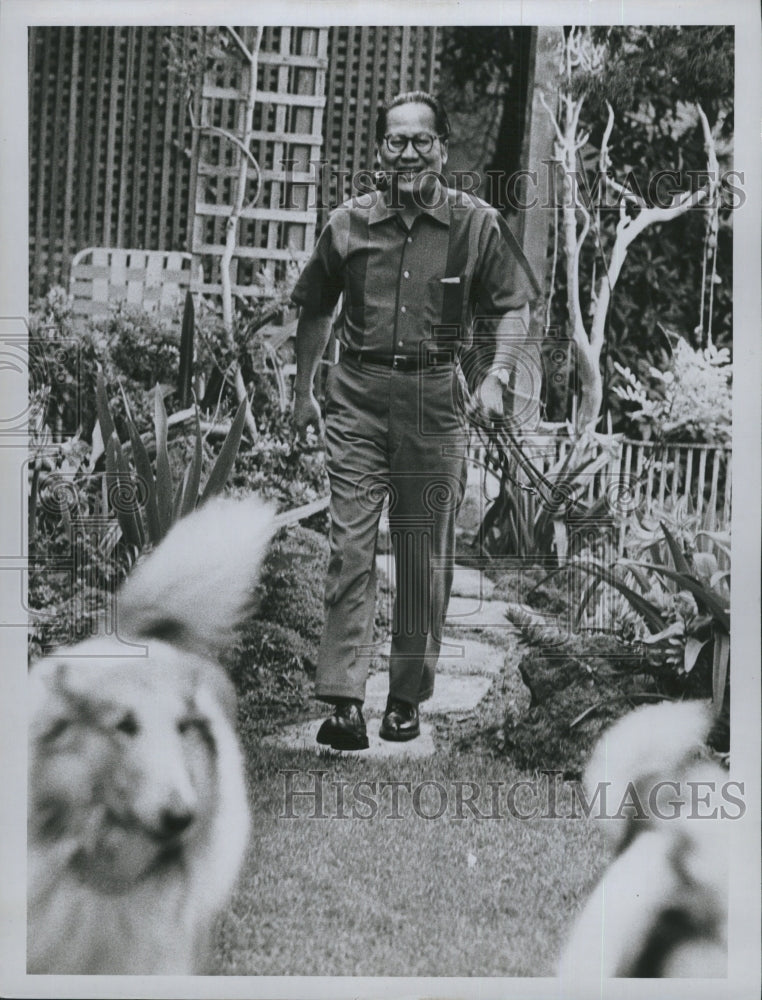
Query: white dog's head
(126, 730)
(660, 908)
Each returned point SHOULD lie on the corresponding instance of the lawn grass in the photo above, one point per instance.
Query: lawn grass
(405, 896)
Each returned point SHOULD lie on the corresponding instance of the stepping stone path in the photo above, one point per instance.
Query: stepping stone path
(302, 737)
(466, 670)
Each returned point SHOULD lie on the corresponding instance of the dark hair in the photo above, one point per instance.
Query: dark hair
(442, 122)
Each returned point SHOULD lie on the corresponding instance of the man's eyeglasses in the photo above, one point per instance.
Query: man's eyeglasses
(422, 143)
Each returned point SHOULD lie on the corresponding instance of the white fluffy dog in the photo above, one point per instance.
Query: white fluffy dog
(661, 908)
(138, 818)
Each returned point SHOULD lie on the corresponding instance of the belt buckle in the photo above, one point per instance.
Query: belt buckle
(435, 359)
(397, 361)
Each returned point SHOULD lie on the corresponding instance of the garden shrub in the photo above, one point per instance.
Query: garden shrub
(291, 585)
(276, 652)
(279, 468)
(270, 668)
(596, 675)
(691, 400)
(135, 349)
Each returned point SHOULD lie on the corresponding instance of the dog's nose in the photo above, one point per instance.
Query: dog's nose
(172, 822)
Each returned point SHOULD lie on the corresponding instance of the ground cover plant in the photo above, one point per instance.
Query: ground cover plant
(418, 897)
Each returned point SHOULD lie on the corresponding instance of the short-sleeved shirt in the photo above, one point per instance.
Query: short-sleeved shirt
(458, 262)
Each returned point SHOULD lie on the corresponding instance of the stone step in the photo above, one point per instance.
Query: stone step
(301, 736)
(452, 693)
(459, 654)
(467, 582)
(472, 612)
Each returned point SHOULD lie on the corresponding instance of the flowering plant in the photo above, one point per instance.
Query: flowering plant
(690, 400)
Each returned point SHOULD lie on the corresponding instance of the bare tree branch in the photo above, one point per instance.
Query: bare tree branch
(248, 56)
(246, 126)
(578, 50)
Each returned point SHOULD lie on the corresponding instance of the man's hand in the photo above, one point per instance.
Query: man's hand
(489, 396)
(307, 414)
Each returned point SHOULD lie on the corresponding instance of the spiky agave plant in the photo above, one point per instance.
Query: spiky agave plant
(141, 493)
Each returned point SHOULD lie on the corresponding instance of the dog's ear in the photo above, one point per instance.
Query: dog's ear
(197, 586)
(652, 744)
(50, 698)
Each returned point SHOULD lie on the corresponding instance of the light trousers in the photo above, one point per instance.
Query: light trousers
(402, 435)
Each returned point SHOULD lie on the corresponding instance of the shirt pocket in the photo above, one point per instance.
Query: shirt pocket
(446, 299)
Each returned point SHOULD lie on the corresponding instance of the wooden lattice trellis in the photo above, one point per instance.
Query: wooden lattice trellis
(113, 161)
(277, 228)
(108, 145)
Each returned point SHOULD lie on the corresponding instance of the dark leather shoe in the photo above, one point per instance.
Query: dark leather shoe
(345, 729)
(400, 721)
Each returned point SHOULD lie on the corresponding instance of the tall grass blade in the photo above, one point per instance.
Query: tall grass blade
(227, 456)
(163, 474)
(590, 592)
(185, 377)
(190, 492)
(681, 563)
(145, 474)
(641, 578)
(693, 647)
(118, 476)
(720, 665)
(177, 502)
(103, 410)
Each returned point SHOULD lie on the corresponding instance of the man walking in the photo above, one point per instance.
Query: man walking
(415, 263)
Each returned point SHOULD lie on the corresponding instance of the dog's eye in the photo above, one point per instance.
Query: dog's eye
(128, 725)
(58, 728)
(187, 725)
(198, 725)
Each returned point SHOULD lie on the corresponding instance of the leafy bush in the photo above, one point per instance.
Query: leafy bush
(134, 349)
(530, 514)
(291, 585)
(280, 468)
(690, 401)
(270, 667)
(577, 689)
(686, 609)
(276, 654)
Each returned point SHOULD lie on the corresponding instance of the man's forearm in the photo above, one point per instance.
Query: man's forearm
(511, 334)
(521, 359)
(312, 334)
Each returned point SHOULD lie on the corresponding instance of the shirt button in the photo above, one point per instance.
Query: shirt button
(410, 239)
(400, 343)
(403, 309)
(406, 274)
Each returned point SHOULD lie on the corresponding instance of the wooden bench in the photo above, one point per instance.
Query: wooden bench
(155, 280)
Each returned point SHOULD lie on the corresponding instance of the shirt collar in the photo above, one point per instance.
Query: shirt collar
(381, 210)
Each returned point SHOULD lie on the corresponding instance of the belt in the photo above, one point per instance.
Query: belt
(400, 362)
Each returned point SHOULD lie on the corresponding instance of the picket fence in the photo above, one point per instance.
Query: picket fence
(640, 479)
